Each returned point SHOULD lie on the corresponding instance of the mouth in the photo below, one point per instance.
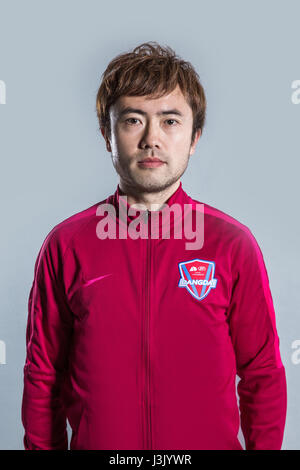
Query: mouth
(151, 162)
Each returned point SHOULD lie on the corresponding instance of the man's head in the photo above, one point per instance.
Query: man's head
(150, 104)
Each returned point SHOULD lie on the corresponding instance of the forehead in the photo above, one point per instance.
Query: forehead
(174, 99)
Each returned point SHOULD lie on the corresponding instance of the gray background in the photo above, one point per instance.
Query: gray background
(54, 162)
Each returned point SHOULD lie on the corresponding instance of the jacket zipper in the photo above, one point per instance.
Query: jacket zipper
(147, 342)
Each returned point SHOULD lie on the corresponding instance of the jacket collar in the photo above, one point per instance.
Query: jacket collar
(180, 200)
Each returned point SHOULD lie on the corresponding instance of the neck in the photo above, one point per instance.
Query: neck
(148, 199)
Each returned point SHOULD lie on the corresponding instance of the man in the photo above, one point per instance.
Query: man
(135, 335)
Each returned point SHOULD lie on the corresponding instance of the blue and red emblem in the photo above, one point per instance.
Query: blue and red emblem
(197, 276)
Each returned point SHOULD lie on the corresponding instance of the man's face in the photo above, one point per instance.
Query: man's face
(143, 127)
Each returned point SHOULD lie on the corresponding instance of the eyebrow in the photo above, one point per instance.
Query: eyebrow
(128, 110)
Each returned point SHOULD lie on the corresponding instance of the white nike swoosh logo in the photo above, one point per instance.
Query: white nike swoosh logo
(91, 281)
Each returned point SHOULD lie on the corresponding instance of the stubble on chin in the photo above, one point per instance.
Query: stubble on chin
(146, 184)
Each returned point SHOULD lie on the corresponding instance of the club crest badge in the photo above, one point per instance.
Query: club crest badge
(197, 276)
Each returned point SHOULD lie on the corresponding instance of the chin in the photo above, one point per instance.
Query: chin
(152, 184)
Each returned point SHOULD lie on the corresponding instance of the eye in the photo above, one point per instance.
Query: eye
(168, 120)
(129, 120)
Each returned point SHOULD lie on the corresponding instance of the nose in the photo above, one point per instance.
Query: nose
(150, 137)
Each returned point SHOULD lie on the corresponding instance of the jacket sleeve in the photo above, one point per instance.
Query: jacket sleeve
(262, 386)
(48, 334)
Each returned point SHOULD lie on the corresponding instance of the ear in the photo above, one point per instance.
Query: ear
(103, 132)
(196, 138)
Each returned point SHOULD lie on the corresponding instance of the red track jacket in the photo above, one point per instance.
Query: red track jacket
(137, 342)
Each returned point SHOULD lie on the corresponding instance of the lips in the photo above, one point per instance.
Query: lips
(151, 159)
(151, 162)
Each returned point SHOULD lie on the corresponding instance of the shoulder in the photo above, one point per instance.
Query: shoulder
(58, 239)
(230, 229)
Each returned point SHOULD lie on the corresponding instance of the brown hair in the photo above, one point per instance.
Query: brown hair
(150, 70)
